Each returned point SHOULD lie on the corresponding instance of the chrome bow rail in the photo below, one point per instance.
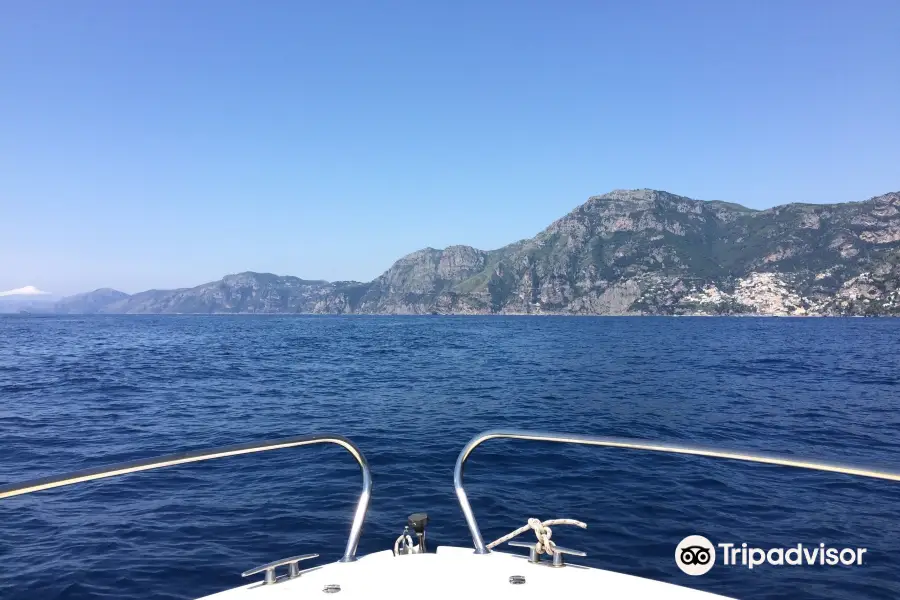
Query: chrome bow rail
(630, 444)
(171, 460)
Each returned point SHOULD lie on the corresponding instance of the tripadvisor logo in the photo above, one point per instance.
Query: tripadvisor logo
(696, 555)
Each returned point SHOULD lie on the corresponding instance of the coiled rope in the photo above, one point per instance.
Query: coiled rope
(541, 530)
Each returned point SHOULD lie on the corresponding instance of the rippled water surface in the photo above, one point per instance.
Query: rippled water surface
(410, 391)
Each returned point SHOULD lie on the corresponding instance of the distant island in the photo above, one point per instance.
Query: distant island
(629, 252)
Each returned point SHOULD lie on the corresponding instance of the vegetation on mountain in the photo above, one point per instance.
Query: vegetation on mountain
(626, 252)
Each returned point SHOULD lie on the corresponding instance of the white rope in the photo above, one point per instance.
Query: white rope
(407, 542)
(541, 530)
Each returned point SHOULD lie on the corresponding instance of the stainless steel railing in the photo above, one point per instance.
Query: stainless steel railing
(587, 440)
(170, 460)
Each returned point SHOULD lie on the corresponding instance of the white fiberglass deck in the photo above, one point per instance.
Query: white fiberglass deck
(459, 573)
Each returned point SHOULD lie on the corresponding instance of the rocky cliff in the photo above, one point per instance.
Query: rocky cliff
(626, 252)
(651, 252)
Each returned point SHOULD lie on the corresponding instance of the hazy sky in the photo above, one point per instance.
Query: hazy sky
(163, 143)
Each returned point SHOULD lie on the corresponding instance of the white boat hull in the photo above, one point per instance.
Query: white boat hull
(454, 572)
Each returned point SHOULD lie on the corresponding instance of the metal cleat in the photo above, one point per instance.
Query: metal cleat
(269, 568)
(533, 556)
(558, 552)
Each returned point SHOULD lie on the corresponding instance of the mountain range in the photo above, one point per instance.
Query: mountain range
(628, 252)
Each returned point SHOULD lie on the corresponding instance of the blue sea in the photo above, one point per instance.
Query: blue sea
(78, 392)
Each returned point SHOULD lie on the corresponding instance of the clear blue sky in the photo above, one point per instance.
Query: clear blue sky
(163, 143)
